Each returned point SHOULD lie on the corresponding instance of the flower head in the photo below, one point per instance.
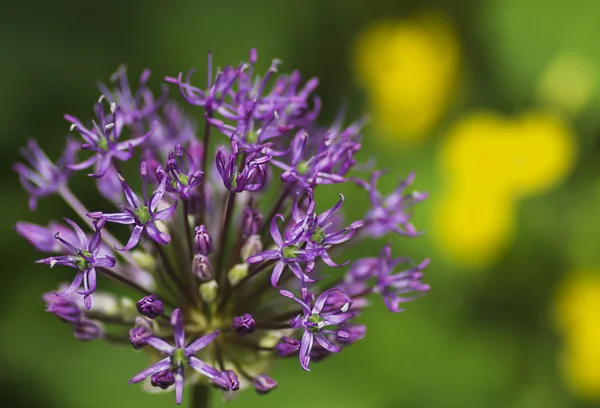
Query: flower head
(221, 219)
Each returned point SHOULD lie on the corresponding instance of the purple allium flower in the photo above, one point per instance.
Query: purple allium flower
(103, 139)
(150, 306)
(44, 178)
(84, 258)
(391, 213)
(181, 173)
(142, 215)
(263, 384)
(43, 238)
(249, 176)
(179, 356)
(393, 286)
(237, 229)
(288, 253)
(317, 323)
(243, 324)
(134, 106)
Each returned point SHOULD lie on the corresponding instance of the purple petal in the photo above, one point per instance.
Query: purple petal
(305, 348)
(133, 239)
(263, 256)
(200, 343)
(81, 237)
(179, 385)
(130, 196)
(166, 213)
(157, 235)
(160, 344)
(153, 369)
(73, 287)
(203, 368)
(276, 275)
(178, 332)
(118, 218)
(326, 344)
(158, 194)
(275, 231)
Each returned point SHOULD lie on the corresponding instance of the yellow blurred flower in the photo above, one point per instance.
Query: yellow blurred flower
(489, 163)
(409, 69)
(474, 225)
(577, 317)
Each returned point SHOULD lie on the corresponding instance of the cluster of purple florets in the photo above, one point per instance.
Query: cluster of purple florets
(223, 238)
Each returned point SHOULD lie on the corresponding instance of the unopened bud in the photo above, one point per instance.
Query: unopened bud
(251, 222)
(202, 268)
(263, 384)
(251, 247)
(209, 290)
(144, 260)
(87, 329)
(237, 273)
(202, 241)
(243, 324)
(163, 379)
(150, 306)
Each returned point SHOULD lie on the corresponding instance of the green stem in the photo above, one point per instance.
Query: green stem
(200, 396)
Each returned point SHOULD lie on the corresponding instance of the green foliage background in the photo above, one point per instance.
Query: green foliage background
(477, 340)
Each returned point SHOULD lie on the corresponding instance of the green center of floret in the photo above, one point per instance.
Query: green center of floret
(179, 358)
(318, 320)
(81, 263)
(302, 168)
(290, 251)
(252, 137)
(234, 180)
(103, 144)
(143, 214)
(184, 180)
(318, 236)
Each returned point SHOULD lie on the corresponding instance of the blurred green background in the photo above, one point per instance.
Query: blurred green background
(493, 103)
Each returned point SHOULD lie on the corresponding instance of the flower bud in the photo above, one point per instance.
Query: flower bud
(209, 290)
(202, 241)
(144, 259)
(237, 273)
(251, 247)
(163, 379)
(251, 222)
(88, 330)
(227, 380)
(150, 306)
(139, 334)
(243, 324)
(263, 384)
(65, 309)
(287, 346)
(201, 267)
(351, 333)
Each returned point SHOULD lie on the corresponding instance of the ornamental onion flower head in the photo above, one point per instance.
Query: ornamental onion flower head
(227, 263)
